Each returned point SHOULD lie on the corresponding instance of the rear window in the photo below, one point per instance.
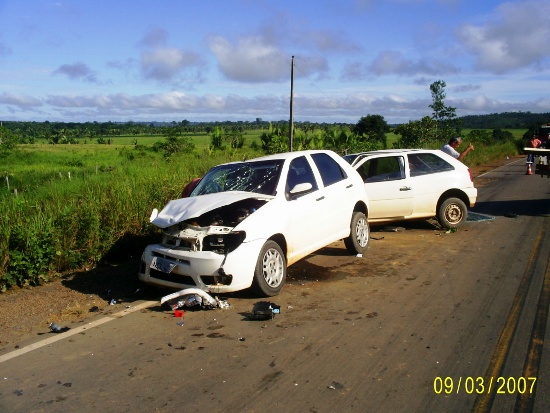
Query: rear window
(427, 163)
(329, 169)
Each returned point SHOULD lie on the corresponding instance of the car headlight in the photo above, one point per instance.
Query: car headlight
(223, 243)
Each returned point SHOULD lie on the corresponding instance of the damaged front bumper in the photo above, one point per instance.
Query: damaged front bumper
(172, 267)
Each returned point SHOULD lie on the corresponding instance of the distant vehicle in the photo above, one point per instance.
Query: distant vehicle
(541, 164)
(543, 135)
(407, 184)
(245, 222)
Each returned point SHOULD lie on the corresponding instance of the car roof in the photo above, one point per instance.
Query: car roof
(286, 155)
(389, 151)
(294, 154)
(354, 158)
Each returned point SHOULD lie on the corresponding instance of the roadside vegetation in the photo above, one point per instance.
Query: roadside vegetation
(72, 195)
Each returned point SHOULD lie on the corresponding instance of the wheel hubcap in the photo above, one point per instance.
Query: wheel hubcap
(362, 232)
(273, 267)
(453, 213)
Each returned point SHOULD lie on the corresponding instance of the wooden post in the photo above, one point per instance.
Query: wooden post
(291, 126)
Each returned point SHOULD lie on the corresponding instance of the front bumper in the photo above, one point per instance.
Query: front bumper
(173, 268)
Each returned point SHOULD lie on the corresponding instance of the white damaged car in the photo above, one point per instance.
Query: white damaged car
(245, 222)
(405, 184)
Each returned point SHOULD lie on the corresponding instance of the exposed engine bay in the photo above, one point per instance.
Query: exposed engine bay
(229, 215)
(211, 231)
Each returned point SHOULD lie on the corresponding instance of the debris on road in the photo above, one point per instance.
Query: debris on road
(477, 217)
(264, 310)
(392, 229)
(190, 297)
(55, 328)
(336, 386)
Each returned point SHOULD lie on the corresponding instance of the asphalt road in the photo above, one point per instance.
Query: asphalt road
(425, 321)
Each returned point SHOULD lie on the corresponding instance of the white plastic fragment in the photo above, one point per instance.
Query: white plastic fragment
(189, 297)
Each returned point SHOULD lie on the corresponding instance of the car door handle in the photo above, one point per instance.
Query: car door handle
(349, 186)
(320, 199)
(405, 188)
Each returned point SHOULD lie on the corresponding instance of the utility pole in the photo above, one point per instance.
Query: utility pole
(291, 126)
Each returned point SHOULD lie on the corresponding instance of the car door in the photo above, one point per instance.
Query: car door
(431, 176)
(305, 209)
(387, 185)
(339, 196)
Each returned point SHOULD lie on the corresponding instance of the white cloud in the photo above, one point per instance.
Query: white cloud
(77, 71)
(164, 64)
(154, 37)
(250, 60)
(24, 101)
(390, 62)
(516, 37)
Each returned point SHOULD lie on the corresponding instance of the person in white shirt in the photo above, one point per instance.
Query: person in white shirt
(451, 148)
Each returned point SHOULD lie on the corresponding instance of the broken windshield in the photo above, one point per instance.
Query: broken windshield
(259, 177)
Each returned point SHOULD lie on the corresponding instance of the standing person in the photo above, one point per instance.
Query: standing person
(534, 142)
(451, 147)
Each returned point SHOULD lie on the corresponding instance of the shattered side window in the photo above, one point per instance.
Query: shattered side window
(259, 177)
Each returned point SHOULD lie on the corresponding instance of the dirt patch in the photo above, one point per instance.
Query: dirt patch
(27, 312)
(77, 296)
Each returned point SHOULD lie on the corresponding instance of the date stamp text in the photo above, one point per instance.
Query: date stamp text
(481, 385)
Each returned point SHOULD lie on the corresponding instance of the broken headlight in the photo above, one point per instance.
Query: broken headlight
(223, 243)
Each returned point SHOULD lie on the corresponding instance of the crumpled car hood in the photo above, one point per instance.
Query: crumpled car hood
(179, 210)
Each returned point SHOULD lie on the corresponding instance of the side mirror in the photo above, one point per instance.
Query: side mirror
(154, 214)
(301, 188)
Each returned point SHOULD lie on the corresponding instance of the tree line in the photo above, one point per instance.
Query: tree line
(367, 134)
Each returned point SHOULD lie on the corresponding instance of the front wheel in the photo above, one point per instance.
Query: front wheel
(270, 272)
(452, 213)
(358, 239)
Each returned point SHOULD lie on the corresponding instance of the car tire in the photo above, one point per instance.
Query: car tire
(452, 213)
(358, 239)
(270, 271)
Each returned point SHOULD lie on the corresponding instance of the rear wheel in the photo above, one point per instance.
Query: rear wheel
(270, 272)
(358, 239)
(452, 213)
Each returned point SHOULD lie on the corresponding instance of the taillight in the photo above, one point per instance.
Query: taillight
(471, 176)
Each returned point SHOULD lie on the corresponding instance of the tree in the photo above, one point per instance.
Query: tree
(480, 136)
(374, 127)
(217, 138)
(173, 145)
(8, 141)
(416, 134)
(275, 139)
(500, 135)
(445, 116)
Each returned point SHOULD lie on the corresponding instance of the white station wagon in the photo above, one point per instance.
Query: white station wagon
(245, 222)
(415, 184)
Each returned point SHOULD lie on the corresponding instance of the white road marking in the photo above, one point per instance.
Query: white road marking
(73, 331)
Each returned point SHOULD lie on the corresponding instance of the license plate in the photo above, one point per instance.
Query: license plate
(162, 265)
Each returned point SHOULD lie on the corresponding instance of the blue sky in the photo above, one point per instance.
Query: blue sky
(170, 60)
